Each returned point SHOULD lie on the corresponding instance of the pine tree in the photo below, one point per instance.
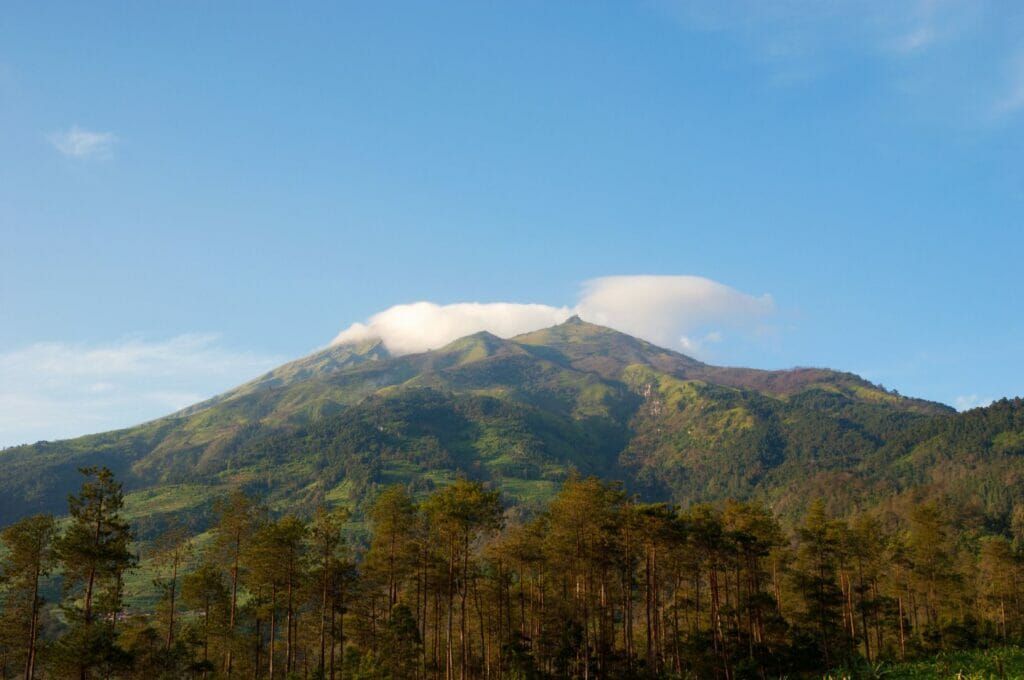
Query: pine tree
(393, 518)
(999, 577)
(170, 552)
(327, 548)
(816, 580)
(94, 553)
(276, 559)
(30, 557)
(204, 590)
(459, 515)
(238, 519)
(401, 643)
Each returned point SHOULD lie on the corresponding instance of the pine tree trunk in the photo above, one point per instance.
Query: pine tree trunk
(463, 592)
(170, 618)
(323, 620)
(289, 647)
(259, 646)
(273, 627)
(903, 643)
(449, 660)
(334, 641)
(234, 603)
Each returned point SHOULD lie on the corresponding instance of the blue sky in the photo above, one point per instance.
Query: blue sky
(193, 192)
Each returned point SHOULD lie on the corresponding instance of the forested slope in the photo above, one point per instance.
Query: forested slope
(520, 414)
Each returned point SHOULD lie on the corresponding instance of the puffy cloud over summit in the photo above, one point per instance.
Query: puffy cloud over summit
(679, 312)
(420, 326)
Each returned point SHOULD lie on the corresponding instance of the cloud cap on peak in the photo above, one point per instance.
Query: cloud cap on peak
(422, 326)
(671, 311)
(679, 312)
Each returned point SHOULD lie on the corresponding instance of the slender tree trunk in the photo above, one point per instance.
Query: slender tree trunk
(334, 641)
(875, 616)
(862, 590)
(341, 627)
(34, 625)
(234, 601)
(483, 632)
(437, 632)
(259, 646)
(463, 592)
(83, 672)
(206, 631)
(903, 643)
(174, 587)
(92, 569)
(289, 652)
(449, 660)
(392, 585)
(273, 627)
(647, 612)
(627, 597)
(323, 617)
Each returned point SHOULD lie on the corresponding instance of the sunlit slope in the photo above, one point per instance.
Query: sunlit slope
(520, 413)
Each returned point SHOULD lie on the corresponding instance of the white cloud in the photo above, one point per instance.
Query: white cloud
(812, 29)
(671, 311)
(1012, 99)
(681, 312)
(54, 390)
(916, 39)
(77, 142)
(420, 326)
(941, 57)
(966, 402)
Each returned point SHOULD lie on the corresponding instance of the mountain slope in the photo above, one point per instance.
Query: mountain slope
(520, 413)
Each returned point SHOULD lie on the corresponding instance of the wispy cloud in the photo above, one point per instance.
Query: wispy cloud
(966, 402)
(937, 53)
(77, 142)
(1012, 100)
(686, 313)
(51, 390)
(805, 28)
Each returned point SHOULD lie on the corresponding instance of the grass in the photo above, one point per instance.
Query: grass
(528, 490)
(164, 499)
(978, 664)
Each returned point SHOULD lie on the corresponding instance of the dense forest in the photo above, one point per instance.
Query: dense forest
(455, 584)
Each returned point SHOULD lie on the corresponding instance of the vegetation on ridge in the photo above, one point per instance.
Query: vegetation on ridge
(519, 414)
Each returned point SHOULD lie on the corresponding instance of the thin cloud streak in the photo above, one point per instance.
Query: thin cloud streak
(52, 390)
(968, 401)
(934, 53)
(1013, 100)
(77, 142)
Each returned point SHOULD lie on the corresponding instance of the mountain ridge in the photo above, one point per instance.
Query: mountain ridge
(520, 413)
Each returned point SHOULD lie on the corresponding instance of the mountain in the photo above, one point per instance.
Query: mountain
(522, 414)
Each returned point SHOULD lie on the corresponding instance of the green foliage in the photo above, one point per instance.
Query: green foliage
(431, 456)
(597, 584)
(30, 557)
(519, 413)
(979, 664)
(95, 547)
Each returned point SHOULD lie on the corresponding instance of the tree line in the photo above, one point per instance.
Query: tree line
(598, 585)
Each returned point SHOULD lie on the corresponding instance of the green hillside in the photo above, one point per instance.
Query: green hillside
(522, 413)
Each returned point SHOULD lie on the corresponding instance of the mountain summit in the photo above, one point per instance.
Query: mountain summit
(520, 413)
